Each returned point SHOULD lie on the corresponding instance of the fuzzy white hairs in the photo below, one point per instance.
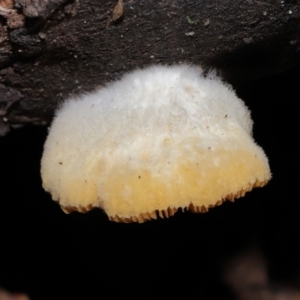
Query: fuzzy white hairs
(161, 138)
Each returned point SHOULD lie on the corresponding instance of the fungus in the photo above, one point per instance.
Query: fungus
(160, 139)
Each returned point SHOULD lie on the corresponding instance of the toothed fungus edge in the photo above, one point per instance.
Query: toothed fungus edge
(160, 139)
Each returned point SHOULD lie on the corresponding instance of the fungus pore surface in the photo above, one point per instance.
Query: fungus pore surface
(160, 139)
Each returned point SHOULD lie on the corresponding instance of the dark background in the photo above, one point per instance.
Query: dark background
(50, 255)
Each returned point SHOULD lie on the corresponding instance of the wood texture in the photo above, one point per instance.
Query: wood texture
(51, 49)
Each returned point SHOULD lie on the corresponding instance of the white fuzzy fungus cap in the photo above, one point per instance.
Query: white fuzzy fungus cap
(161, 138)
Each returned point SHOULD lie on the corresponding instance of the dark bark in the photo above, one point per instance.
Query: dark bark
(51, 49)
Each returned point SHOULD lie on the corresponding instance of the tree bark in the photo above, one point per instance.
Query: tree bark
(51, 49)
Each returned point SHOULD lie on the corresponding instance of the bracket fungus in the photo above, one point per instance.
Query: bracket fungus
(160, 139)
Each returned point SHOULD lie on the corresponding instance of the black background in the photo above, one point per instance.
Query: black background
(51, 255)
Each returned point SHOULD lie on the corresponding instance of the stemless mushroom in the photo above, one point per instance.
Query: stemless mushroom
(160, 139)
